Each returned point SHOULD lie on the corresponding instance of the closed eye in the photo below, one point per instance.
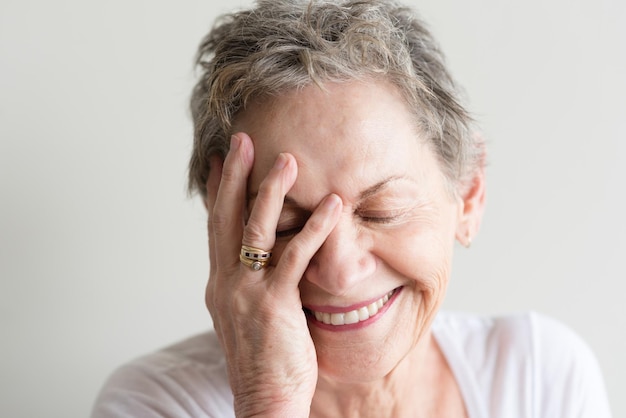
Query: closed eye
(379, 219)
(286, 233)
(291, 222)
(385, 217)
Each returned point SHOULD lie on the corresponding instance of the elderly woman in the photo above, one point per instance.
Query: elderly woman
(338, 168)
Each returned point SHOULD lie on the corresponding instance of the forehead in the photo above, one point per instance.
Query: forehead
(344, 135)
(328, 110)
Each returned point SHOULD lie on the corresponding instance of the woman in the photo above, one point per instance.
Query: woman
(338, 168)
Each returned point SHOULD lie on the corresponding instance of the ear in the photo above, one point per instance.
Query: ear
(472, 196)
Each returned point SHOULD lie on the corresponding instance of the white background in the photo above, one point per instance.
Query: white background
(103, 256)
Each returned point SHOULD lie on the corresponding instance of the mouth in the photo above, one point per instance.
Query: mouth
(334, 318)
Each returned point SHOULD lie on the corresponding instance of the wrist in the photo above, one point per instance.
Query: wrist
(267, 406)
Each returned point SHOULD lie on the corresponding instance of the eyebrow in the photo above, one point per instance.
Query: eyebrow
(370, 191)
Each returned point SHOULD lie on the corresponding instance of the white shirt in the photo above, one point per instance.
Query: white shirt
(518, 366)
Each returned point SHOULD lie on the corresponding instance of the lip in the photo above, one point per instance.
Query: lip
(333, 309)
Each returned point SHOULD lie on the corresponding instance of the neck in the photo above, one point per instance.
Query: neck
(416, 386)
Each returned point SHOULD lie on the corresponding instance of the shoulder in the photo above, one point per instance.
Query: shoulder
(567, 371)
(527, 361)
(187, 379)
(525, 334)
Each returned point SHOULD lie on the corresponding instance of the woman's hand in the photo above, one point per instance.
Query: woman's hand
(258, 315)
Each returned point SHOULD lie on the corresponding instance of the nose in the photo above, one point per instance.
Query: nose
(344, 260)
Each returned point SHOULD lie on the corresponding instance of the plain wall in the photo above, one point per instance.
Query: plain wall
(103, 256)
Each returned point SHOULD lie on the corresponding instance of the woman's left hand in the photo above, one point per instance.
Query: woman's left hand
(257, 315)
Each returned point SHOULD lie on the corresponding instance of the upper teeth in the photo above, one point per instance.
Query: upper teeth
(352, 317)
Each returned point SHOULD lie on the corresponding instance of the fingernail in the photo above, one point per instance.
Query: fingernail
(234, 143)
(281, 161)
(332, 201)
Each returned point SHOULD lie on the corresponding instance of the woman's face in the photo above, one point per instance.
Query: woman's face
(396, 232)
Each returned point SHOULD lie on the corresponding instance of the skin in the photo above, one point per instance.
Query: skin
(354, 205)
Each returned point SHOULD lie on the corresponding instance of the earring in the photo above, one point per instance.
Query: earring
(468, 241)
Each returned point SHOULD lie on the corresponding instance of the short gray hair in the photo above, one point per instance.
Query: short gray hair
(280, 45)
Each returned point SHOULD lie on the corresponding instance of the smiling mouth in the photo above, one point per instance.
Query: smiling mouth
(354, 316)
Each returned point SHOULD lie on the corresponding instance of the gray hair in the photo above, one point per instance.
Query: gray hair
(281, 45)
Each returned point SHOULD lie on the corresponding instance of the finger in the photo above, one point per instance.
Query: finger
(260, 230)
(212, 186)
(297, 254)
(227, 222)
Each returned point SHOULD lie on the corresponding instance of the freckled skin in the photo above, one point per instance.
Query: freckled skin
(345, 140)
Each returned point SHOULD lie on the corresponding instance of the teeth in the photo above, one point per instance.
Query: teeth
(352, 317)
(372, 309)
(337, 319)
(363, 314)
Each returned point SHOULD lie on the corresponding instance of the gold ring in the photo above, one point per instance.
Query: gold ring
(255, 258)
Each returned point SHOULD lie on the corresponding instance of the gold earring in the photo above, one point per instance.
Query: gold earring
(468, 241)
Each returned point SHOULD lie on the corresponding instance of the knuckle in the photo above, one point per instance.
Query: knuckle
(229, 175)
(267, 188)
(220, 221)
(254, 233)
(267, 196)
(209, 299)
(290, 258)
(211, 310)
(241, 305)
(316, 225)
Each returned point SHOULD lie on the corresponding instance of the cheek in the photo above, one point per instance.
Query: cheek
(420, 253)
(422, 257)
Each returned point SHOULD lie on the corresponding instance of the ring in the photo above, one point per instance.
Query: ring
(255, 258)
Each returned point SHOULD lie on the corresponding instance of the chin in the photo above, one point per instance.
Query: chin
(354, 368)
(372, 352)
